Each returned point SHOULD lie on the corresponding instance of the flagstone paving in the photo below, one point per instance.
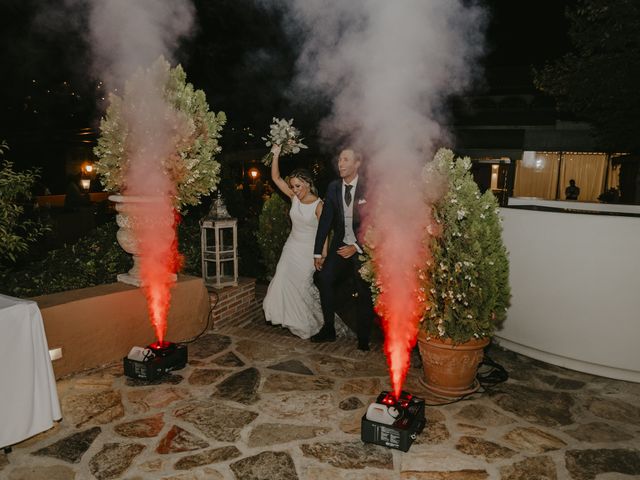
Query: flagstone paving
(257, 403)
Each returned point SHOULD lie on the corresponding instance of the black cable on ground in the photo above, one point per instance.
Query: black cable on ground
(209, 317)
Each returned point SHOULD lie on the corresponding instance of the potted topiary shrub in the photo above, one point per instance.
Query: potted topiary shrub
(466, 280)
(191, 164)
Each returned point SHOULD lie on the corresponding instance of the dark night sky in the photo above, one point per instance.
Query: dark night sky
(39, 112)
(524, 32)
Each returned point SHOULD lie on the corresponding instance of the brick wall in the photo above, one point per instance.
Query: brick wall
(236, 303)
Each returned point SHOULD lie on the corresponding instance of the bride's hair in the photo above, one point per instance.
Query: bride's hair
(304, 175)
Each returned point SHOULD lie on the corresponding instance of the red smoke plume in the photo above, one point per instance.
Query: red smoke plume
(398, 230)
(154, 130)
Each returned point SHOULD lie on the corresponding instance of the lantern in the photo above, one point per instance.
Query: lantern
(219, 243)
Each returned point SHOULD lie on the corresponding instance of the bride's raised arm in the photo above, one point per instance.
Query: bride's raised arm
(275, 172)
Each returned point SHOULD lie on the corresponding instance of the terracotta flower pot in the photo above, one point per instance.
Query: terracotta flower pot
(450, 370)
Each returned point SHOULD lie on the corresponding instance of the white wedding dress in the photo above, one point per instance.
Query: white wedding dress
(293, 300)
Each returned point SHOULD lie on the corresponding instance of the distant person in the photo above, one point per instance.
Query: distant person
(75, 198)
(572, 191)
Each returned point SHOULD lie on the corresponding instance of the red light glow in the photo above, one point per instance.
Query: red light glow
(155, 231)
(159, 345)
(389, 399)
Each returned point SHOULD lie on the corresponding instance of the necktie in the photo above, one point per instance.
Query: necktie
(347, 194)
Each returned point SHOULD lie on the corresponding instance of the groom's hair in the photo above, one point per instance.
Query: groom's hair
(357, 154)
(304, 175)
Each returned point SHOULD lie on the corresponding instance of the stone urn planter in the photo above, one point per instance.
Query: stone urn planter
(125, 236)
(449, 370)
(126, 206)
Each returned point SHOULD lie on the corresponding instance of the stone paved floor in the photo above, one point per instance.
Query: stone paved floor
(256, 403)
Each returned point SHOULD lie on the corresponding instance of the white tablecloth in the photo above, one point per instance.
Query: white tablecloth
(28, 398)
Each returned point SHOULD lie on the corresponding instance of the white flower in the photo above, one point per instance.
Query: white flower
(461, 213)
(283, 133)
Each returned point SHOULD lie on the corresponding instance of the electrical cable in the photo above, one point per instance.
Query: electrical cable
(209, 317)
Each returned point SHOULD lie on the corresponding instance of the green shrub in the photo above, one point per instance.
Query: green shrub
(94, 260)
(189, 245)
(467, 286)
(17, 231)
(274, 226)
(191, 167)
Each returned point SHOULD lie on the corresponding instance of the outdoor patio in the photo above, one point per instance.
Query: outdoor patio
(256, 403)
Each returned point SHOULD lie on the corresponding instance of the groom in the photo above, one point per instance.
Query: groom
(342, 213)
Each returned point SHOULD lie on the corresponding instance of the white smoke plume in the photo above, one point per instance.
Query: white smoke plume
(125, 35)
(387, 68)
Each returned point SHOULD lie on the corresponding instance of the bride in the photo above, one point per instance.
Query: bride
(292, 298)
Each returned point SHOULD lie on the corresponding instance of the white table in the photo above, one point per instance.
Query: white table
(28, 397)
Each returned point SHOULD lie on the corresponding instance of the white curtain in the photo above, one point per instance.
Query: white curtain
(537, 175)
(588, 170)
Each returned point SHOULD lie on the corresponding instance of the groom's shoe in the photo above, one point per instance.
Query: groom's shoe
(324, 335)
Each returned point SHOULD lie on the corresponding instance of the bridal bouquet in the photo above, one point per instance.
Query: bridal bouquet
(283, 133)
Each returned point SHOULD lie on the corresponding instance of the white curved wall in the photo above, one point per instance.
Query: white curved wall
(575, 296)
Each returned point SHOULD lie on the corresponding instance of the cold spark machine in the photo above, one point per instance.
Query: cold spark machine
(155, 360)
(393, 423)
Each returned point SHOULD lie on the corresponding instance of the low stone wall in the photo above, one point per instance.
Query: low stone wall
(99, 325)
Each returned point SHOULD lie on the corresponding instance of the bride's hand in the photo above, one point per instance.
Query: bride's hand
(276, 149)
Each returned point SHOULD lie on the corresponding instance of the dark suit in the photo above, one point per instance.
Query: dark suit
(335, 266)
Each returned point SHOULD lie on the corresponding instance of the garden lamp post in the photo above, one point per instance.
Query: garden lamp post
(219, 243)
